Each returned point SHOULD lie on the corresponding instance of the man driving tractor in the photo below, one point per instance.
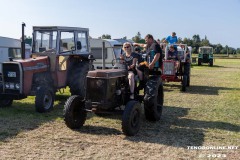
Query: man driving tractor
(154, 60)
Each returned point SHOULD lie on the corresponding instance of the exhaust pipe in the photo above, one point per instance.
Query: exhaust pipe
(23, 42)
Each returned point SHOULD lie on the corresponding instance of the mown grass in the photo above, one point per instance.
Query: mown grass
(207, 114)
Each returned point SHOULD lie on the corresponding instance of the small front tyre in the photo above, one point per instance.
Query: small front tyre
(74, 112)
(131, 121)
(211, 63)
(199, 62)
(44, 99)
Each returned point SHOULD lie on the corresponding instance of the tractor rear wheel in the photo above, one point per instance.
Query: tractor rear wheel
(77, 78)
(153, 99)
(131, 121)
(44, 99)
(74, 112)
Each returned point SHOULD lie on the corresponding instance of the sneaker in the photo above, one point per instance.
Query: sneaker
(132, 96)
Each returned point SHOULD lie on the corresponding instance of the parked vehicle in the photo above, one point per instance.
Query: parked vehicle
(11, 48)
(205, 55)
(112, 50)
(108, 91)
(170, 73)
(60, 57)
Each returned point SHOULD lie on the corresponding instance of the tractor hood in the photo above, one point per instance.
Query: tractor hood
(32, 64)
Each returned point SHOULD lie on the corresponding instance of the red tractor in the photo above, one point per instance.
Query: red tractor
(177, 69)
(60, 57)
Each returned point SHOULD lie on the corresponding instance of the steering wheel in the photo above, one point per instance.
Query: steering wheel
(119, 60)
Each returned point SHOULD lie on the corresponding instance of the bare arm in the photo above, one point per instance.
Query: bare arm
(134, 63)
(140, 45)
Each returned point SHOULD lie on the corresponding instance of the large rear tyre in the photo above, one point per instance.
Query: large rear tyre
(77, 78)
(153, 99)
(74, 112)
(44, 99)
(184, 83)
(131, 121)
(6, 102)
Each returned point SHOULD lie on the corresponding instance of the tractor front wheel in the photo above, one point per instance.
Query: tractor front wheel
(44, 99)
(74, 112)
(131, 121)
(199, 61)
(211, 63)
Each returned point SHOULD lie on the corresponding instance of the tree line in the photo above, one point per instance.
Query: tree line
(195, 42)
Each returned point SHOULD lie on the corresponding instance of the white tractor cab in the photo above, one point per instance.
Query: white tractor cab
(111, 48)
(11, 48)
(182, 49)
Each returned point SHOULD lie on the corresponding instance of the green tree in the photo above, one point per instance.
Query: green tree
(196, 38)
(28, 40)
(218, 48)
(196, 42)
(106, 36)
(125, 37)
(180, 40)
(231, 50)
(238, 51)
(205, 42)
(187, 41)
(137, 38)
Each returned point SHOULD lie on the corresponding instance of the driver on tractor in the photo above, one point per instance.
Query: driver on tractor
(173, 55)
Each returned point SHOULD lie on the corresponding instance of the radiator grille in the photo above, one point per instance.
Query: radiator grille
(168, 68)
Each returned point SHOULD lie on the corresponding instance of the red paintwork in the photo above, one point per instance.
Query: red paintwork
(31, 66)
(170, 78)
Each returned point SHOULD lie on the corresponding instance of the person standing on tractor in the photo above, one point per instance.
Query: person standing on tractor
(130, 58)
(171, 40)
(154, 54)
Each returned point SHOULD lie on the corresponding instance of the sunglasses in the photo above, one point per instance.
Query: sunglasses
(126, 47)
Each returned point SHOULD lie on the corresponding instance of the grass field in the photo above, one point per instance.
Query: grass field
(207, 115)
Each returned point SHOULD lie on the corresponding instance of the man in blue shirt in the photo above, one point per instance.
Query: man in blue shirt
(171, 39)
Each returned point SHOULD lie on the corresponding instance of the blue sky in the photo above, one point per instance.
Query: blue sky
(219, 20)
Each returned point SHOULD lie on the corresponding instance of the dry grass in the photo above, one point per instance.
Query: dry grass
(206, 115)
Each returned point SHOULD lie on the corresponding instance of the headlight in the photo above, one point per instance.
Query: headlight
(11, 86)
(99, 83)
(7, 85)
(17, 86)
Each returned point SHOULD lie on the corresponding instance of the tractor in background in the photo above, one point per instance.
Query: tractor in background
(205, 55)
(171, 73)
